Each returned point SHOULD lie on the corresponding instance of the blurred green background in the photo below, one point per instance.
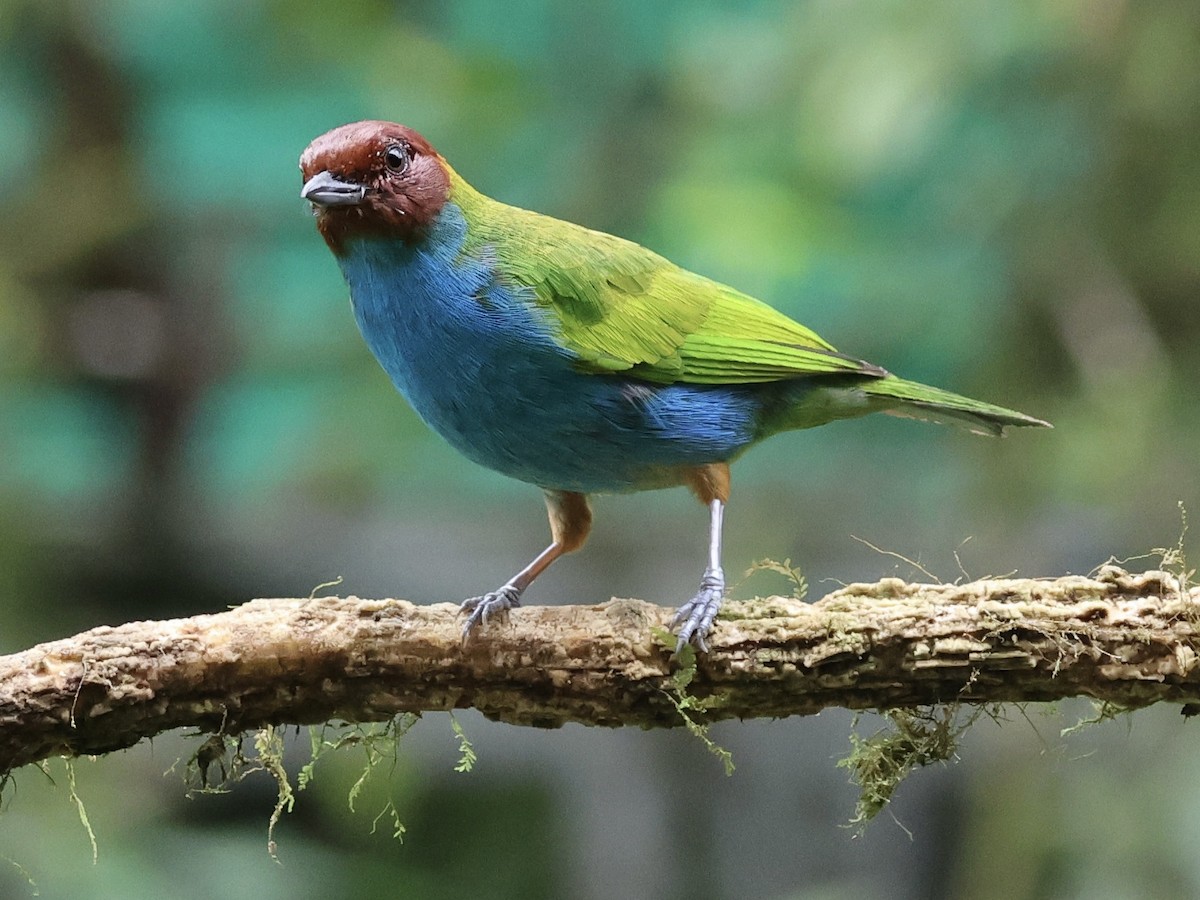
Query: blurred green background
(1002, 198)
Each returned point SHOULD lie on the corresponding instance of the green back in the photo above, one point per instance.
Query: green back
(621, 308)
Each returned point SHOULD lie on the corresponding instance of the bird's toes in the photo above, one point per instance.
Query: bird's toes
(493, 603)
(695, 618)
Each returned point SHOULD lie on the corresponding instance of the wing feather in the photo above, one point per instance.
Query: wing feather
(622, 308)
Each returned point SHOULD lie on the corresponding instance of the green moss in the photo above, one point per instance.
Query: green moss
(467, 757)
(786, 569)
(380, 744)
(913, 738)
(268, 744)
(73, 793)
(1102, 711)
(684, 702)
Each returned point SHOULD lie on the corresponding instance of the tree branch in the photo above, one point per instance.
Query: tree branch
(1130, 640)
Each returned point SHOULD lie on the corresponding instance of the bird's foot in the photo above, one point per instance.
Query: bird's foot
(695, 618)
(493, 603)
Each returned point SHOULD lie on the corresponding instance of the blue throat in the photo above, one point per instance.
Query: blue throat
(480, 362)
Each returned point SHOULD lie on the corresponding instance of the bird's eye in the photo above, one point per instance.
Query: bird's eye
(396, 159)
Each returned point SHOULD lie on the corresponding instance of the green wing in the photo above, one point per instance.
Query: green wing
(621, 308)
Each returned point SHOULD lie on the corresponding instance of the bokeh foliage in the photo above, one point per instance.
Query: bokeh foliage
(999, 197)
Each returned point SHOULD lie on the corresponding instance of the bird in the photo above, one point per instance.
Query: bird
(574, 360)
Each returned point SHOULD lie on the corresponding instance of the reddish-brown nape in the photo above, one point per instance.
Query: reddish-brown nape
(404, 178)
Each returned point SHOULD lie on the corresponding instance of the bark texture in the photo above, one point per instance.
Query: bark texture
(1128, 639)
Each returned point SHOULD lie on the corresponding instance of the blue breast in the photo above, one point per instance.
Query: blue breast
(479, 361)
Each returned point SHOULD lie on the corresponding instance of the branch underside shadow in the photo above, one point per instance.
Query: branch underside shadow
(1129, 640)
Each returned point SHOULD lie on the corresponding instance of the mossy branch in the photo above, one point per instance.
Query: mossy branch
(1129, 640)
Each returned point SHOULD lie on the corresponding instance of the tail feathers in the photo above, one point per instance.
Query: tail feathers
(930, 404)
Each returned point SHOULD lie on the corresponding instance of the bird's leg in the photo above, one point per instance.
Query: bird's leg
(570, 522)
(695, 618)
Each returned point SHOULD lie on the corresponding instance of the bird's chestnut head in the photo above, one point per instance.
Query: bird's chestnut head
(375, 178)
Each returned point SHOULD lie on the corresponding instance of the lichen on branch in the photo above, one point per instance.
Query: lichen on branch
(1128, 640)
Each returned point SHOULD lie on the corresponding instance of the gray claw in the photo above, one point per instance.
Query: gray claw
(493, 603)
(695, 618)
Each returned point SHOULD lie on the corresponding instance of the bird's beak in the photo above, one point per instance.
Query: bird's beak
(325, 190)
